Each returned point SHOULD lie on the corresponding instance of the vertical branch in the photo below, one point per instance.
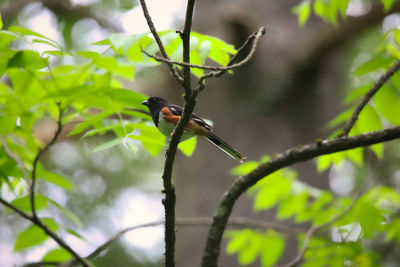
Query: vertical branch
(186, 49)
(153, 30)
(190, 101)
(38, 155)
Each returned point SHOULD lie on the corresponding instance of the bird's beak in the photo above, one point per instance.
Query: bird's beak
(146, 103)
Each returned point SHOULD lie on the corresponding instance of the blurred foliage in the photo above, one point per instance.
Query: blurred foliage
(329, 10)
(44, 82)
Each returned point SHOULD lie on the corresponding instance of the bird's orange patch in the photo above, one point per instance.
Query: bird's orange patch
(191, 126)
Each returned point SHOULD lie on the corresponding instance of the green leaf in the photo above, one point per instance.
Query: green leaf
(24, 203)
(273, 190)
(153, 142)
(188, 146)
(27, 59)
(368, 121)
(90, 122)
(108, 144)
(69, 214)
(27, 32)
(57, 255)
(370, 218)
(8, 124)
(249, 253)
(238, 239)
(292, 205)
(315, 207)
(272, 248)
(244, 168)
(373, 65)
(387, 4)
(31, 236)
(1, 22)
(303, 11)
(341, 118)
(34, 235)
(357, 93)
(6, 39)
(387, 103)
(396, 36)
(55, 178)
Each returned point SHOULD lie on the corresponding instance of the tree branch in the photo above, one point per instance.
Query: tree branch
(378, 84)
(257, 35)
(200, 221)
(255, 38)
(39, 154)
(153, 30)
(290, 157)
(36, 221)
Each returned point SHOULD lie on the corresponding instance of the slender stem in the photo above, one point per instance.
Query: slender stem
(186, 49)
(153, 30)
(367, 97)
(36, 221)
(255, 38)
(231, 65)
(288, 158)
(39, 154)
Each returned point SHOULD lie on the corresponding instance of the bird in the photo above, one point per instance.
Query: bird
(166, 115)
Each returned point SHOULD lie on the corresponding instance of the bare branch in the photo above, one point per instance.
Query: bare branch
(257, 35)
(255, 38)
(378, 84)
(199, 221)
(185, 36)
(153, 30)
(290, 157)
(317, 228)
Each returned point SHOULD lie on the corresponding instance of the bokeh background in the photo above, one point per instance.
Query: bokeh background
(282, 98)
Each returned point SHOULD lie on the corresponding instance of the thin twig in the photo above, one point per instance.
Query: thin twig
(199, 221)
(191, 221)
(34, 218)
(42, 264)
(317, 228)
(36, 221)
(378, 84)
(190, 101)
(257, 35)
(288, 158)
(20, 163)
(39, 154)
(153, 30)
(255, 38)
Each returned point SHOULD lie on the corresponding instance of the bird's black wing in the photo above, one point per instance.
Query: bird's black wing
(177, 110)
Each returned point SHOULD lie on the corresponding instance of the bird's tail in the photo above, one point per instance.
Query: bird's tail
(224, 146)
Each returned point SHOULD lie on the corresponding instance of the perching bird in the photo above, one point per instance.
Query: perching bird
(166, 115)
